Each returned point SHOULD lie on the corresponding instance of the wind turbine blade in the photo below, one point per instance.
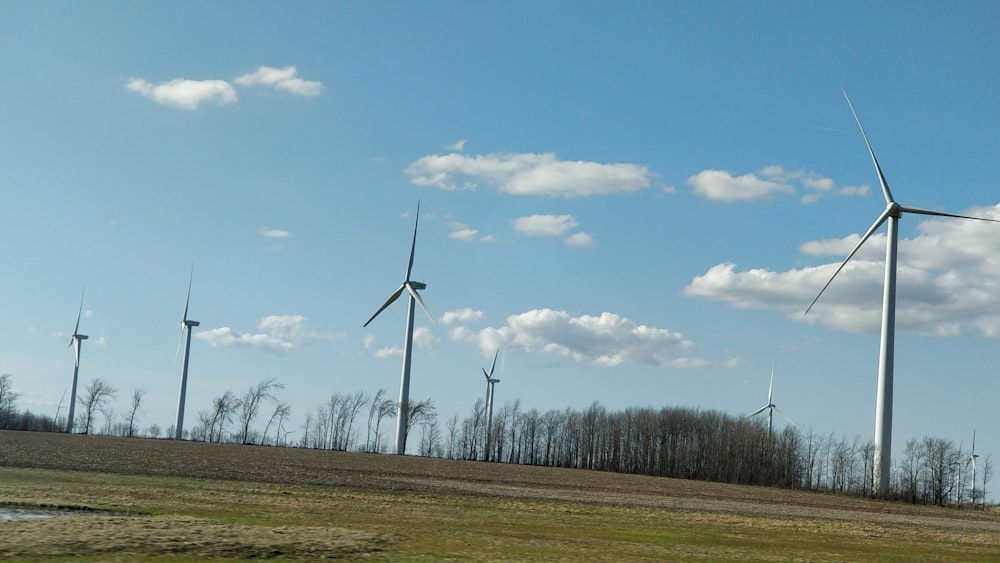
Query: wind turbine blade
(771, 386)
(395, 295)
(416, 296)
(758, 411)
(486, 375)
(413, 246)
(919, 211)
(878, 223)
(180, 339)
(786, 417)
(494, 362)
(79, 313)
(878, 169)
(188, 300)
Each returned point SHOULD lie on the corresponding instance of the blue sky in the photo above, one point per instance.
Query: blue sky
(636, 203)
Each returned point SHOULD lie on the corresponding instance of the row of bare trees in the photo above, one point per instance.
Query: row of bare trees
(706, 445)
(338, 423)
(669, 442)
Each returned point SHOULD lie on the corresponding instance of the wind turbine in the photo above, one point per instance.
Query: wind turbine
(410, 287)
(972, 461)
(881, 465)
(75, 341)
(770, 407)
(186, 325)
(490, 382)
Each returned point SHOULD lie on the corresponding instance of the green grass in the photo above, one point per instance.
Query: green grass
(181, 519)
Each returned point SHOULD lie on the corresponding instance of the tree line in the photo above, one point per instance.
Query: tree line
(673, 442)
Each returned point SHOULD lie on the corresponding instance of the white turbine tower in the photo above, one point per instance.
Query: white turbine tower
(410, 287)
(75, 341)
(490, 382)
(881, 465)
(973, 456)
(770, 407)
(186, 326)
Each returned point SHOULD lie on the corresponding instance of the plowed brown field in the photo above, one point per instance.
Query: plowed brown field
(427, 478)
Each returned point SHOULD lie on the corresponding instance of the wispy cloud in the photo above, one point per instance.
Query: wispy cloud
(580, 239)
(544, 225)
(528, 174)
(721, 185)
(422, 338)
(274, 233)
(183, 93)
(464, 233)
(278, 334)
(946, 281)
(606, 339)
(465, 315)
(284, 79)
(552, 226)
(457, 146)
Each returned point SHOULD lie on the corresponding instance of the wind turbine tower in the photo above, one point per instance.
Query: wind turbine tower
(770, 407)
(410, 287)
(490, 382)
(972, 461)
(186, 326)
(76, 342)
(881, 464)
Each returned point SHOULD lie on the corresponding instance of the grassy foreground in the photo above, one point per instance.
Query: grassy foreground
(122, 517)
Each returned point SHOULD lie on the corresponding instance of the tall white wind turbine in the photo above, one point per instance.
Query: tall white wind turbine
(186, 326)
(75, 341)
(881, 465)
(410, 287)
(490, 382)
(770, 407)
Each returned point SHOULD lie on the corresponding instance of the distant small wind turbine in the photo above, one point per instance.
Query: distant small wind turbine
(881, 465)
(411, 287)
(770, 407)
(973, 456)
(186, 326)
(75, 341)
(490, 382)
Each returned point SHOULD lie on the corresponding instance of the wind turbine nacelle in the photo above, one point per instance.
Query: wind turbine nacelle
(418, 285)
(80, 336)
(494, 380)
(191, 323)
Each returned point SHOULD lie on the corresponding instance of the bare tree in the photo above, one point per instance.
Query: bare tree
(96, 396)
(987, 475)
(281, 413)
(223, 409)
(134, 410)
(153, 431)
(264, 390)
(386, 408)
(8, 398)
(418, 413)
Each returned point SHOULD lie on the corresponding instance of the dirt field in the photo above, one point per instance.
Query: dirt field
(296, 466)
(413, 476)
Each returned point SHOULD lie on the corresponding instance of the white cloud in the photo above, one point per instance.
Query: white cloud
(274, 233)
(528, 174)
(423, 337)
(721, 185)
(544, 225)
(464, 233)
(279, 334)
(283, 79)
(465, 315)
(389, 351)
(580, 239)
(607, 339)
(458, 146)
(183, 93)
(947, 281)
